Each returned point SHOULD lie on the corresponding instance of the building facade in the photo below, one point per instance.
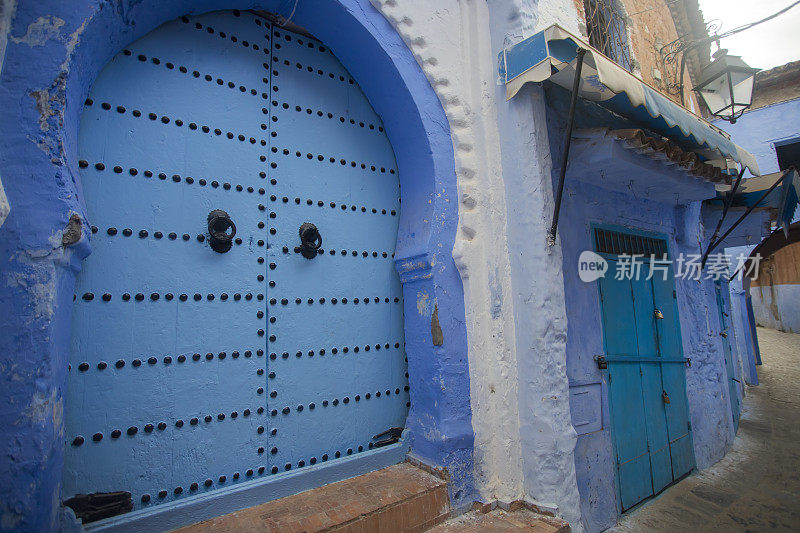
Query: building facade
(774, 291)
(138, 128)
(768, 131)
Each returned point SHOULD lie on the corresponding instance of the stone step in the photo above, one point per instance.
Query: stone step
(400, 498)
(502, 521)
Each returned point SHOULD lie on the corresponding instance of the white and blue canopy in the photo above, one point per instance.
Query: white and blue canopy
(551, 55)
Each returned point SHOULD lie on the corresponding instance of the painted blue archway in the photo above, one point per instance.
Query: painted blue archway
(55, 50)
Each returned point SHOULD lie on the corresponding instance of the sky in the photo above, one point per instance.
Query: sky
(765, 46)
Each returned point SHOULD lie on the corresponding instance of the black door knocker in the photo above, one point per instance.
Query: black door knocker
(221, 229)
(310, 241)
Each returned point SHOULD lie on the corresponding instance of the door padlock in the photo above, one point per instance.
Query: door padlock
(658, 314)
(665, 396)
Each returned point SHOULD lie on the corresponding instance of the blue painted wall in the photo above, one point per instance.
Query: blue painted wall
(777, 306)
(55, 51)
(760, 130)
(584, 204)
(738, 245)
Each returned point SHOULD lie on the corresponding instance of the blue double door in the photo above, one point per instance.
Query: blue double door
(240, 315)
(646, 384)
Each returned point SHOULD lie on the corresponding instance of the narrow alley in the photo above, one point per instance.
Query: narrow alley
(755, 487)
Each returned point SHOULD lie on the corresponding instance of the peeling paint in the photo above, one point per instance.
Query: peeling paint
(40, 285)
(5, 207)
(436, 329)
(422, 303)
(40, 31)
(42, 99)
(43, 407)
(72, 233)
(38, 276)
(7, 10)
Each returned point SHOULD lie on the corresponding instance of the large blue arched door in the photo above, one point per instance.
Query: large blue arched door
(193, 366)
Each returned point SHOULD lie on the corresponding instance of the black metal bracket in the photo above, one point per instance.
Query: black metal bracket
(726, 206)
(750, 209)
(576, 83)
(602, 361)
(393, 436)
(92, 507)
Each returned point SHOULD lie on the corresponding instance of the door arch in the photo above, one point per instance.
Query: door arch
(42, 163)
(197, 366)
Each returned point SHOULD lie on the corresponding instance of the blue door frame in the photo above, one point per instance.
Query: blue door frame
(646, 379)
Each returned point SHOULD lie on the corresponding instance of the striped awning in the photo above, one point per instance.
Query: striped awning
(551, 55)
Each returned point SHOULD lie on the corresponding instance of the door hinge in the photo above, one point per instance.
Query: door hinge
(392, 435)
(674, 294)
(689, 425)
(99, 505)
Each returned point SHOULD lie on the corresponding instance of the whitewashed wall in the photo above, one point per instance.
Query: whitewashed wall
(514, 295)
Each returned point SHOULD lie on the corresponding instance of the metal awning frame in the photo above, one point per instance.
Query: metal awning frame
(729, 200)
(551, 235)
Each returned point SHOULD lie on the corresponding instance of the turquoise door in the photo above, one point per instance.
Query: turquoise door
(725, 332)
(646, 380)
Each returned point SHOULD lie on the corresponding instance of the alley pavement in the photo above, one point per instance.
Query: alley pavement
(756, 486)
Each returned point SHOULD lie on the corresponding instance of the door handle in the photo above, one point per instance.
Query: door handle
(665, 396)
(658, 314)
(310, 241)
(221, 229)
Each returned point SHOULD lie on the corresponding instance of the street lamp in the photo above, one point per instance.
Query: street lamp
(726, 86)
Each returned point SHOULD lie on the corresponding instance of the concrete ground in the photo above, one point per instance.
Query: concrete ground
(756, 486)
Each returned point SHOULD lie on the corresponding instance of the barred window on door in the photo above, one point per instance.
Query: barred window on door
(617, 243)
(608, 31)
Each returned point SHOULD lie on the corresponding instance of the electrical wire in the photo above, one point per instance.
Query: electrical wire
(289, 18)
(756, 23)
